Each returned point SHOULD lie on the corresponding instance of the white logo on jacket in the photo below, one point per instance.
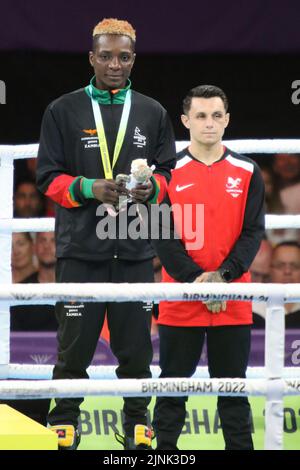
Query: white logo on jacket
(41, 358)
(138, 139)
(73, 309)
(232, 186)
(181, 188)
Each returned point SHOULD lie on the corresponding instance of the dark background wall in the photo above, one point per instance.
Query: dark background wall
(252, 50)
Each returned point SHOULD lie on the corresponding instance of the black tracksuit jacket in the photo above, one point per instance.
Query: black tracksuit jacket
(69, 146)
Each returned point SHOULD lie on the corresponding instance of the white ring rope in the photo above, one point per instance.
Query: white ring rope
(16, 294)
(26, 389)
(273, 221)
(270, 146)
(44, 372)
(242, 146)
(46, 224)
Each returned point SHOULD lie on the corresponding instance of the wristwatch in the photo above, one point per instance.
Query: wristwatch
(225, 275)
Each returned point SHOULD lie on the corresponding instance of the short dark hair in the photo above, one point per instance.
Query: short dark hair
(204, 91)
(27, 236)
(292, 243)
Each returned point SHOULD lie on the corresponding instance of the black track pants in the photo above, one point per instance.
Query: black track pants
(228, 350)
(80, 326)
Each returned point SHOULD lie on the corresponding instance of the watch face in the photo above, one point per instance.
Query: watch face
(226, 275)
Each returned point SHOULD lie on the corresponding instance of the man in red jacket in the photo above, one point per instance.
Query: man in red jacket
(227, 191)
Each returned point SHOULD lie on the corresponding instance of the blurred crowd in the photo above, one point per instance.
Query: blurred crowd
(33, 261)
(278, 259)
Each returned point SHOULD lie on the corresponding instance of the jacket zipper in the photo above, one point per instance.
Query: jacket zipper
(209, 178)
(116, 251)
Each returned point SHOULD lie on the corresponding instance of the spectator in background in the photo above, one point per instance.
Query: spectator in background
(287, 169)
(285, 268)
(272, 196)
(22, 256)
(45, 252)
(282, 193)
(38, 317)
(260, 271)
(27, 172)
(28, 201)
(261, 266)
(31, 167)
(25, 169)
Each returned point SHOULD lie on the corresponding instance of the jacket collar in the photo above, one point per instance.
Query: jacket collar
(107, 97)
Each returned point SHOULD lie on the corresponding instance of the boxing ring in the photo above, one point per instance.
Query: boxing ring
(273, 381)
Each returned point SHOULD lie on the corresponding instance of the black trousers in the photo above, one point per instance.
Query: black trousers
(228, 350)
(80, 326)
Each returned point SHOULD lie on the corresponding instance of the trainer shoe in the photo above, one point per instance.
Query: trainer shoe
(143, 436)
(68, 436)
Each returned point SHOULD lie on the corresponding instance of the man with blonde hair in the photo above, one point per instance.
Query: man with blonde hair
(88, 138)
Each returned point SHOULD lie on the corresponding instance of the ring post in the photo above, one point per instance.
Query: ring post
(274, 363)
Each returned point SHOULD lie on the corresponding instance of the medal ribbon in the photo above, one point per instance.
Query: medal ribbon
(108, 168)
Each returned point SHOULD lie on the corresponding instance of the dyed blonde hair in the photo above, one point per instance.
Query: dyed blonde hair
(114, 26)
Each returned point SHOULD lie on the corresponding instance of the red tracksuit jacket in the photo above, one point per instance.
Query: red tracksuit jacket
(218, 210)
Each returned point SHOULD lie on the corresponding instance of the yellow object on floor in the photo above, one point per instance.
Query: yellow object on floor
(18, 432)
